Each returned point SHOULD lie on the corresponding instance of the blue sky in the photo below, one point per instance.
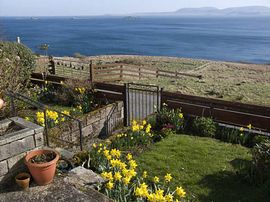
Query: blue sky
(101, 7)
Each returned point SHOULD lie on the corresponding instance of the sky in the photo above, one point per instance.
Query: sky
(103, 7)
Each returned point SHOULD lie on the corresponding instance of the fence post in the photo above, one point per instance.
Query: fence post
(121, 72)
(126, 110)
(139, 73)
(46, 127)
(161, 97)
(91, 76)
(157, 72)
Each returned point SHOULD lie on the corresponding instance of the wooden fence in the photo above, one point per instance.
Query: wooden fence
(107, 72)
(227, 112)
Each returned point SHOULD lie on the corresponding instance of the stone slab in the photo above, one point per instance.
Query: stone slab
(84, 177)
(11, 137)
(4, 152)
(16, 161)
(59, 190)
(27, 124)
(39, 139)
(21, 146)
(3, 168)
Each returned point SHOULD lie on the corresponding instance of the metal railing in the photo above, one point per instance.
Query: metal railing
(17, 96)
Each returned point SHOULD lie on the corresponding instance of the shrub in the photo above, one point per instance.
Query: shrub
(73, 93)
(202, 126)
(170, 119)
(260, 161)
(17, 64)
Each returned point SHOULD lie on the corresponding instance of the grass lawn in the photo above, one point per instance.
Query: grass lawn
(205, 167)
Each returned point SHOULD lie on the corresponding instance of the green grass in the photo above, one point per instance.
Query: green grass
(205, 167)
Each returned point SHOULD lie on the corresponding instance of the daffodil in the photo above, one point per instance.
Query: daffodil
(168, 177)
(144, 175)
(181, 115)
(180, 192)
(156, 179)
(249, 126)
(144, 122)
(117, 176)
(169, 198)
(126, 180)
(109, 185)
(129, 156)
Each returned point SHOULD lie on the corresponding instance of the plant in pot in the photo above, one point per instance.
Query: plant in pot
(42, 165)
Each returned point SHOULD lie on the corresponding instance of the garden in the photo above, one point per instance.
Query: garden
(169, 156)
(164, 159)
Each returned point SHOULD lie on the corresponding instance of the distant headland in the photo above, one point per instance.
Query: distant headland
(212, 11)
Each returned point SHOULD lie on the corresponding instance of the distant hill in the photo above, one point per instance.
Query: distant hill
(211, 11)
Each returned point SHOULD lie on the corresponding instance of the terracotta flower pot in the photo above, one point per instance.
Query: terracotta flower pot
(2, 103)
(23, 180)
(43, 173)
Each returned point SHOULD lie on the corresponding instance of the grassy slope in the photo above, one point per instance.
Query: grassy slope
(247, 83)
(205, 167)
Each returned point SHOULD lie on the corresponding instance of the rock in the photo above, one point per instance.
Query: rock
(84, 177)
(59, 191)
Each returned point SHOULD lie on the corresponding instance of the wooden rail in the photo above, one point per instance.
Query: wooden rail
(72, 68)
(233, 113)
(121, 71)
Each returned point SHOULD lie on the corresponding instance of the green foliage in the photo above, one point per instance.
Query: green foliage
(17, 63)
(72, 94)
(260, 161)
(139, 135)
(202, 126)
(236, 136)
(169, 119)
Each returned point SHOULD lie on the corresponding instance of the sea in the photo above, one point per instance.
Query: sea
(238, 39)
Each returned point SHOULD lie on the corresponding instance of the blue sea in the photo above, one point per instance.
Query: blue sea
(226, 39)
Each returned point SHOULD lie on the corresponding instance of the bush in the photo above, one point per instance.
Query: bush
(169, 119)
(204, 127)
(260, 161)
(73, 93)
(17, 63)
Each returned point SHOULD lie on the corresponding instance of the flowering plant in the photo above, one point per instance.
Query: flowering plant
(138, 135)
(124, 182)
(169, 119)
(53, 118)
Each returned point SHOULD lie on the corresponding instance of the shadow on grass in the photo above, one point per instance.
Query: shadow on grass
(232, 186)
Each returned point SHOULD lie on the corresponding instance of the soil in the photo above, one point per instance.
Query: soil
(43, 158)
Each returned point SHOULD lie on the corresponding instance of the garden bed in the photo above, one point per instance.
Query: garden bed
(94, 125)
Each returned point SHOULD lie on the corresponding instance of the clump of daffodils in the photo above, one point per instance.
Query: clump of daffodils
(80, 90)
(53, 118)
(125, 183)
(138, 135)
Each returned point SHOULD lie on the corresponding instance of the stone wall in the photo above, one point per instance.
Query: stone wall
(15, 144)
(93, 126)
